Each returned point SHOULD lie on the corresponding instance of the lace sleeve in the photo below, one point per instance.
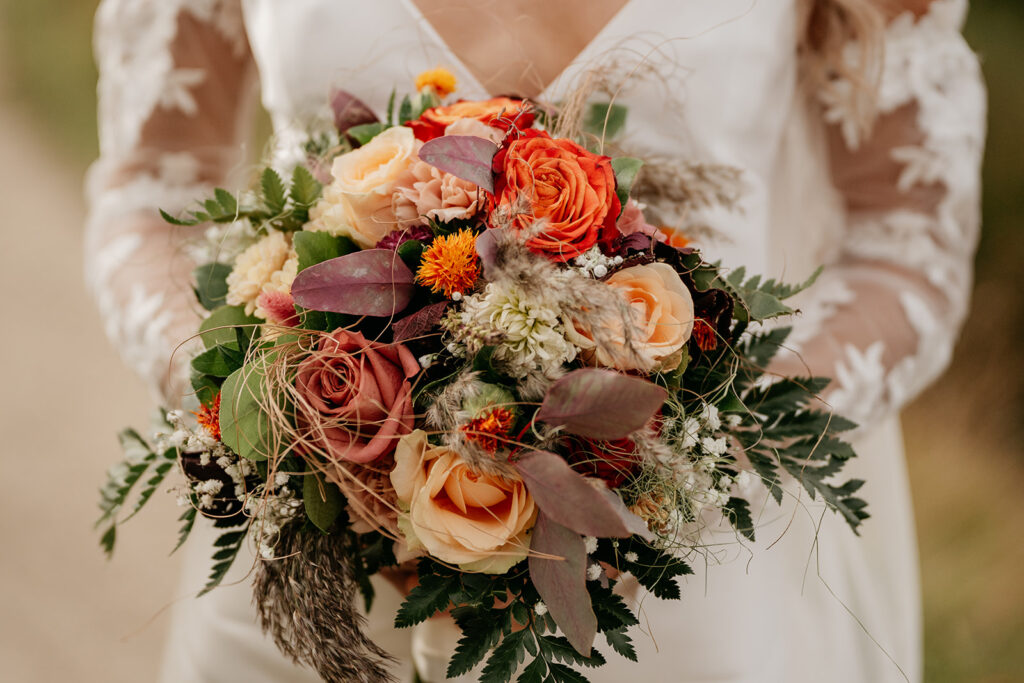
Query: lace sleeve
(883, 320)
(173, 78)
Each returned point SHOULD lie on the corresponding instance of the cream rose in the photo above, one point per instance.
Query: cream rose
(662, 315)
(478, 521)
(357, 203)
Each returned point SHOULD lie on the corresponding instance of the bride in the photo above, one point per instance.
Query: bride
(858, 125)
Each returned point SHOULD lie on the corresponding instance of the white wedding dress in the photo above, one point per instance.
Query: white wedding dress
(896, 223)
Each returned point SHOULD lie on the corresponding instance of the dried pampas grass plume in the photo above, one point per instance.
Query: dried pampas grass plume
(306, 603)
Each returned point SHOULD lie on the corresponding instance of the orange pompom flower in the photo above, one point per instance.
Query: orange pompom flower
(450, 264)
(440, 80)
(208, 417)
(490, 429)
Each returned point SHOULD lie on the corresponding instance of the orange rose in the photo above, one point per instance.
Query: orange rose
(662, 310)
(571, 189)
(476, 520)
(494, 112)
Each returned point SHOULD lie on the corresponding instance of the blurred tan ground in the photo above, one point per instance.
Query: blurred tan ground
(66, 614)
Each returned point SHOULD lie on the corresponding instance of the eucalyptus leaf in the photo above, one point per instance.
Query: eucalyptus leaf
(244, 426)
(626, 170)
(323, 500)
(314, 246)
(219, 327)
(211, 284)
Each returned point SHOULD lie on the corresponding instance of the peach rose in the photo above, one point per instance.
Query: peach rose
(662, 310)
(356, 396)
(357, 202)
(569, 188)
(430, 192)
(496, 112)
(478, 521)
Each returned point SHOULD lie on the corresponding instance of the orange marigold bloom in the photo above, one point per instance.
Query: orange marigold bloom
(490, 429)
(450, 264)
(208, 417)
(440, 80)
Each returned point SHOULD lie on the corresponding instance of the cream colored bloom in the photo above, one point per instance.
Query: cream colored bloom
(262, 264)
(280, 282)
(357, 203)
(476, 520)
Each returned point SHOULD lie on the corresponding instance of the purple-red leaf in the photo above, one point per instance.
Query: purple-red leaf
(465, 156)
(350, 111)
(562, 583)
(374, 282)
(487, 247)
(601, 404)
(419, 323)
(564, 495)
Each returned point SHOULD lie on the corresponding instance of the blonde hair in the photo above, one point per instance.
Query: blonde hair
(832, 26)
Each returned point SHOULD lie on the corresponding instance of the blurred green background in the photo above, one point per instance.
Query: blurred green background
(964, 436)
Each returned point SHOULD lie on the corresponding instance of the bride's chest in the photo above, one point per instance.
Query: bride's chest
(702, 69)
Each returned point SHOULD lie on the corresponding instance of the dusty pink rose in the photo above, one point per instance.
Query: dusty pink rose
(356, 398)
(632, 221)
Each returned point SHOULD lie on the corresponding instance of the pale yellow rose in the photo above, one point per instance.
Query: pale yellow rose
(357, 203)
(662, 311)
(478, 521)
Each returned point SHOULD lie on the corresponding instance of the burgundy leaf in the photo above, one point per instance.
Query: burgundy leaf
(419, 323)
(562, 581)
(637, 241)
(487, 247)
(601, 404)
(465, 156)
(374, 282)
(564, 495)
(350, 111)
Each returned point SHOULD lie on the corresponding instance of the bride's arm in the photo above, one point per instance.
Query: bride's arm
(173, 79)
(884, 321)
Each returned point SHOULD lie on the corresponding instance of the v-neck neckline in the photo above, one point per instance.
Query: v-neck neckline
(421, 21)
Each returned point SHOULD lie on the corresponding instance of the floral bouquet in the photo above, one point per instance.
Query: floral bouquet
(452, 343)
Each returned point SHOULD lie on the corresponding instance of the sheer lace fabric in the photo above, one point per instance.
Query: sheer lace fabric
(883, 320)
(173, 77)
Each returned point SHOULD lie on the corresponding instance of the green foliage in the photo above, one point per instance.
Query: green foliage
(501, 628)
(626, 170)
(430, 596)
(365, 132)
(219, 361)
(757, 301)
(286, 210)
(211, 286)
(140, 459)
(228, 545)
(322, 499)
(219, 326)
(313, 247)
(791, 435)
(604, 120)
(244, 427)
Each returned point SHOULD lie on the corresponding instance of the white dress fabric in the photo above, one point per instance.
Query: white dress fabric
(893, 216)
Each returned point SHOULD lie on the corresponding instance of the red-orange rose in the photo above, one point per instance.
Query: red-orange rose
(612, 461)
(355, 396)
(570, 189)
(497, 112)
